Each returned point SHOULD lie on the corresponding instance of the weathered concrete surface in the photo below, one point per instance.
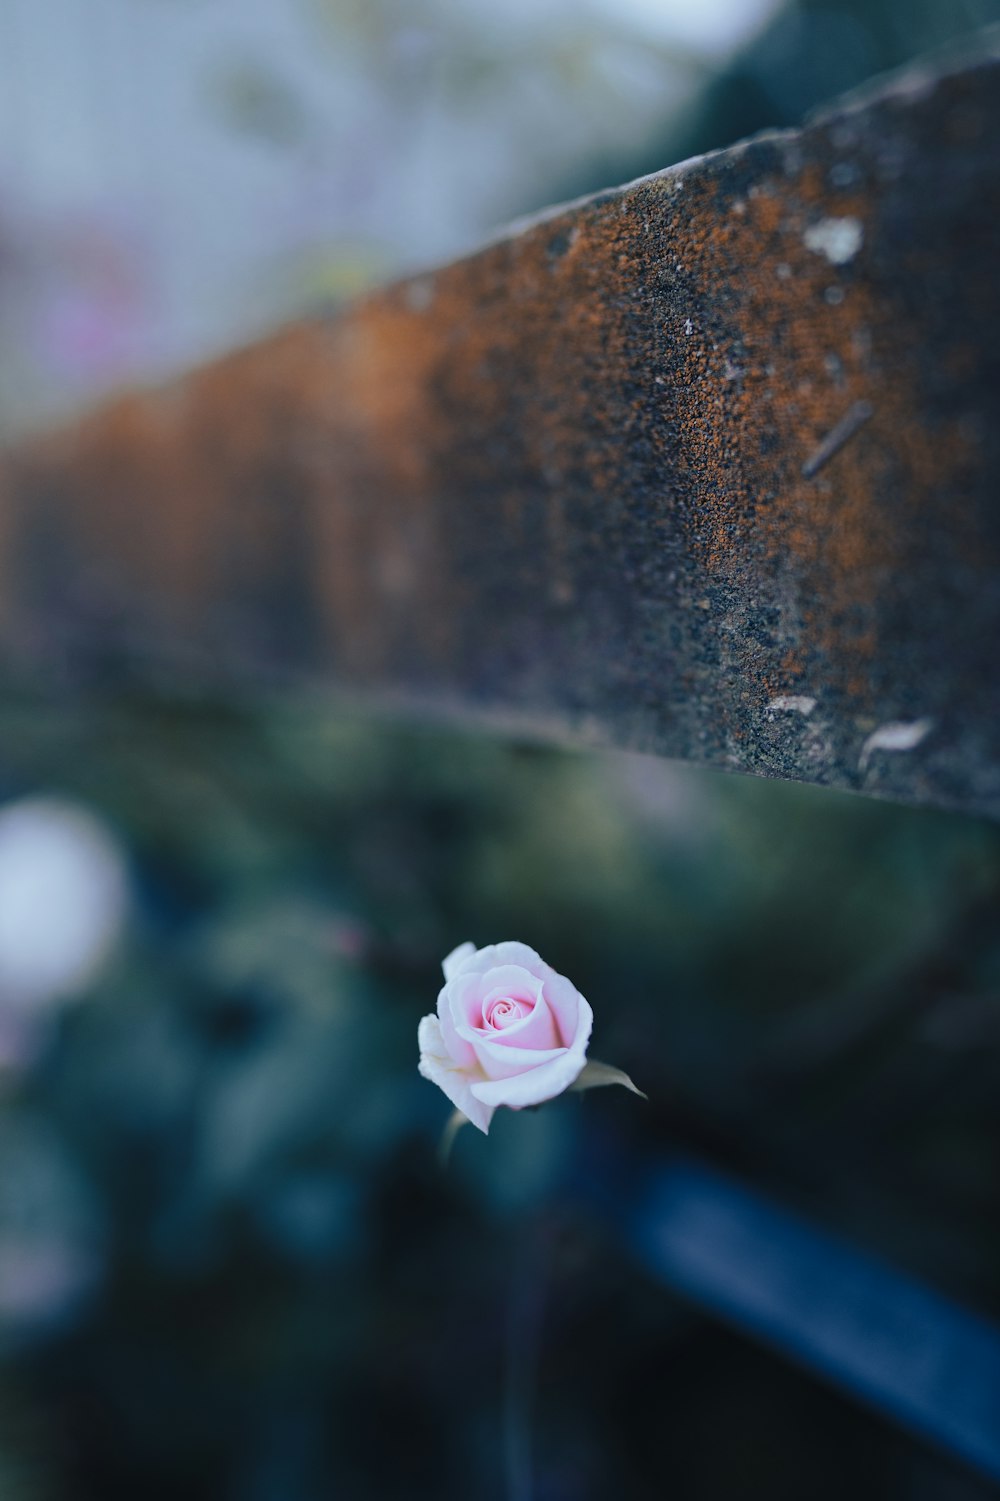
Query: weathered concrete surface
(707, 465)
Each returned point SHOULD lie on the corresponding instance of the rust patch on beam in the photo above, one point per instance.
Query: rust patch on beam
(721, 440)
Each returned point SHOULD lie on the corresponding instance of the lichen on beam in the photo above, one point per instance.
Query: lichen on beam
(705, 466)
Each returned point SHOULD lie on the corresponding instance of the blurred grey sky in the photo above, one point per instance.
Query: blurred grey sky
(176, 175)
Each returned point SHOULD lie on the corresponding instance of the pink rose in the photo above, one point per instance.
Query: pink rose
(509, 1031)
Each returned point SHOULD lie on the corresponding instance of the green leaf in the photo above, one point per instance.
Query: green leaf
(595, 1075)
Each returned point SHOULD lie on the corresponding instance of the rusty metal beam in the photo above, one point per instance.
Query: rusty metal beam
(707, 465)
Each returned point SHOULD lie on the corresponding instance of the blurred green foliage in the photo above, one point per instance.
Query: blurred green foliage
(226, 1160)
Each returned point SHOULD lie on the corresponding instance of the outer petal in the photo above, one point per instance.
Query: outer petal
(534, 1086)
(498, 1061)
(511, 979)
(564, 1003)
(584, 1027)
(495, 954)
(456, 960)
(451, 1010)
(441, 1070)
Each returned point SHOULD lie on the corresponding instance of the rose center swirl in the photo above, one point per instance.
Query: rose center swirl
(504, 1010)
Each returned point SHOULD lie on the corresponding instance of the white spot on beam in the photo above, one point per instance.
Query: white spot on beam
(419, 294)
(898, 736)
(793, 703)
(838, 239)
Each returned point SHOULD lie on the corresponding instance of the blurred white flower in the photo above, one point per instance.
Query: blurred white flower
(63, 889)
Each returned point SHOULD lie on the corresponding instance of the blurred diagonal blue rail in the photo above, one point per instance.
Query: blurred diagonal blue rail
(878, 1334)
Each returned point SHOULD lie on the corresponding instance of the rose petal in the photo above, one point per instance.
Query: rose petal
(468, 994)
(584, 1025)
(534, 1086)
(497, 1060)
(500, 1012)
(462, 999)
(536, 1030)
(564, 1003)
(456, 960)
(495, 954)
(457, 997)
(513, 980)
(456, 1083)
(458, 1048)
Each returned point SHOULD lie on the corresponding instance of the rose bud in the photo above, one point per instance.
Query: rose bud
(508, 1031)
